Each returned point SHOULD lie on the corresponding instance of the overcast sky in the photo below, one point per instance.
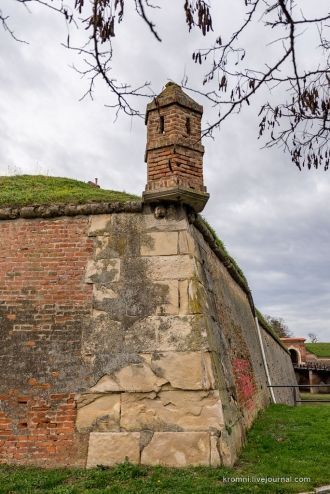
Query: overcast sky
(272, 218)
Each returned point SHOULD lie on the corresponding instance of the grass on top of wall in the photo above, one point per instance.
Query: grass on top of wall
(319, 349)
(24, 190)
(287, 443)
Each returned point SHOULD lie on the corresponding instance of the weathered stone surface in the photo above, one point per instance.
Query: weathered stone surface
(170, 267)
(112, 246)
(135, 378)
(174, 220)
(192, 297)
(103, 271)
(172, 411)
(187, 244)
(103, 335)
(229, 444)
(99, 412)
(182, 334)
(101, 293)
(110, 448)
(166, 333)
(184, 370)
(159, 244)
(215, 459)
(171, 304)
(99, 224)
(177, 449)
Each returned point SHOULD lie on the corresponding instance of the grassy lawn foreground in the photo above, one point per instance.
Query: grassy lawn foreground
(284, 442)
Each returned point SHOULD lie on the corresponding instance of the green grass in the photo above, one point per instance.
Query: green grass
(316, 396)
(319, 349)
(23, 190)
(284, 442)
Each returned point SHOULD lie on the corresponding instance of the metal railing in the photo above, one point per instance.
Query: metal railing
(294, 389)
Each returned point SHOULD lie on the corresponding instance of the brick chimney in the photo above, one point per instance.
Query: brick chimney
(174, 152)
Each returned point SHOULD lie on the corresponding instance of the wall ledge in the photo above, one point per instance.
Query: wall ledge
(58, 210)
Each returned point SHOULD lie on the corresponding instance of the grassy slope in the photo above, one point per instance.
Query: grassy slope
(319, 349)
(22, 190)
(284, 442)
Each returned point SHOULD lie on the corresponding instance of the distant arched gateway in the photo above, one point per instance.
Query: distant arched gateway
(295, 357)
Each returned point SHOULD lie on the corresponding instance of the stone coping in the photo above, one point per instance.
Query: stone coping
(54, 210)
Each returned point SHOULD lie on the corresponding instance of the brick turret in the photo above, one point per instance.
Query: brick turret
(174, 152)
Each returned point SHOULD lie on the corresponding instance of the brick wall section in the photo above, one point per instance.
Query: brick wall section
(44, 304)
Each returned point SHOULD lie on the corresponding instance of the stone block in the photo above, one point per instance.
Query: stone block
(174, 410)
(99, 412)
(171, 303)
(159, 244)
(135, 378)
(174, 221)
(170, 267)
(111, 448)
(184, 370)
(187, 244)
(177, 449)
(167, 333)
(103, 271)
(215, 458)
(112, 246)
(182, 334)
(99, 224)
(192, 298)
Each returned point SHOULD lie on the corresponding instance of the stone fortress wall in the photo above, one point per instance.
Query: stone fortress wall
(125, 332)
(123, 335)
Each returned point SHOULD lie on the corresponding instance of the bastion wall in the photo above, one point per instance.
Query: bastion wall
(124, 336)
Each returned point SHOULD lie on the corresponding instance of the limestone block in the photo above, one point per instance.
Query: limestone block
(166, 333)
(110, 448)
(99, 412)
(159, 244)
(99, 224)
(135, 377)
(184, 370)
(174, 410)
(230, 443)
(187, 244)
(112, 246)
(182, 333)
(103, 271)
(168, 224)
(191, 297)
(215, 458)
(170, 267)
(177, 449)
(171, 303)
